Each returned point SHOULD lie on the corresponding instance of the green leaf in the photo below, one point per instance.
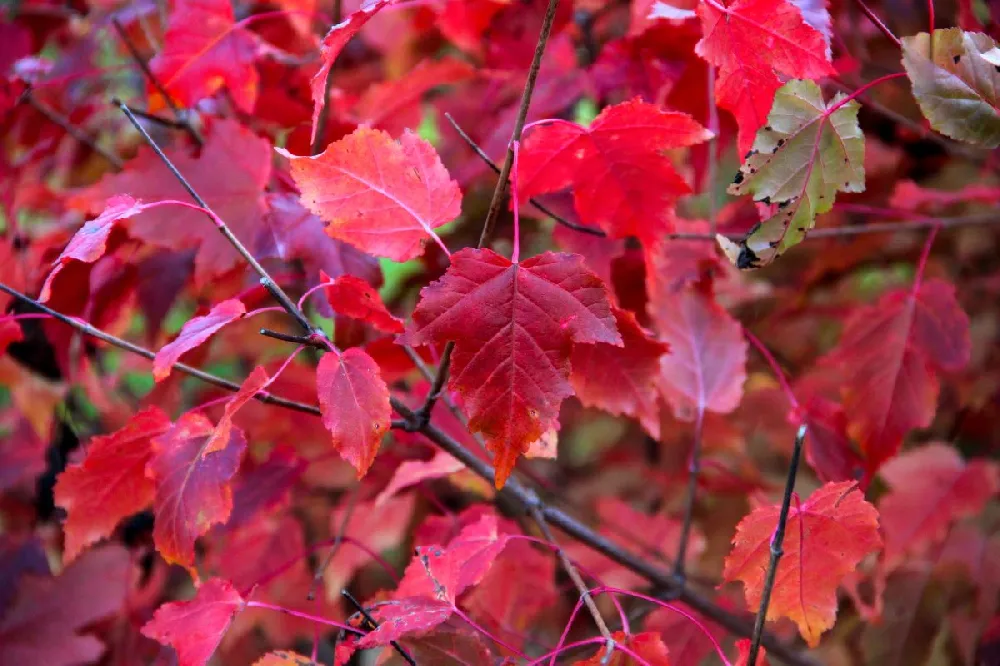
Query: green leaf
(806, 153)
(957, 86)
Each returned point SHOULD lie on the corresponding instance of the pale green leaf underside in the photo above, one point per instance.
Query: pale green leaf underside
(957, 87)
(799, 161)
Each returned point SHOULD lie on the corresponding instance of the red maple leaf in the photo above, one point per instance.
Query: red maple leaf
(230, 174)
(887, 356)
(930, 488)
(353, 297)
(195, 332)
(110, 483)
(513, 325)
(45, 622)
(621, 380)
(825, 538)
(610, 164)
(194, 628)
(383, 196)
(752, 42)
(192, 488)
(354, 401)
(204, 50)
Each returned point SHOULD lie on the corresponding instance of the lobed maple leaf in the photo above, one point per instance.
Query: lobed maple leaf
(956, 85)
(110, 483)
(195, 628)
(383, 196)
(354, 402)
(930, 488)
(621, 380)
(46, 620)
(644, 648)
(610, 165)
(333, 43)
(513, 325)
(808, 151)
(353, 297)
(752, 42)
(193, 489)
(194, 332)
(230, 173)
(90, 243)
(204, 50)
(825, 538)
(887, 356)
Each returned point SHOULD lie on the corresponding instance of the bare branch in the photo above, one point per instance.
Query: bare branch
(57, 118)
(776, 540)
(374, 625)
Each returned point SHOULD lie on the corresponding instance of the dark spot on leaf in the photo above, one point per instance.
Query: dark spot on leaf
(955, 59)
(781, 142)
(738, 179)
(767, 128)
(766, 200)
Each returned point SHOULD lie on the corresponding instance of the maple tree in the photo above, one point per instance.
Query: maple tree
(637, 332)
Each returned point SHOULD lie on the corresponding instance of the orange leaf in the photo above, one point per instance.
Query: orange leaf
(825, 538)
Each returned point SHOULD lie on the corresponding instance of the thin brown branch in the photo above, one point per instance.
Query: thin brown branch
(57, 118)
(776, 540)
(545, 210)
(265, 279)
(207, 377)
(574, 576)
(182, 117)
(352, 502)
(522, 114)
(694, 470)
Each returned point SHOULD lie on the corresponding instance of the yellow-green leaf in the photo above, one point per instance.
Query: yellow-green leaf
(806, 153)
(957, 86)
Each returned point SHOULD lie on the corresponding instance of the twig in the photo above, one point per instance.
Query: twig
(159, 120)
(265, 279)
(522, 114)
(776, 541)
(324, 114)
(878, 22)
(207, 377)
(56, 118)
(574, 576)
(307, 340)
(545, 210)
(352, 502)
(694, 469)
(374, 625)
(713, 147)
(181, 116)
